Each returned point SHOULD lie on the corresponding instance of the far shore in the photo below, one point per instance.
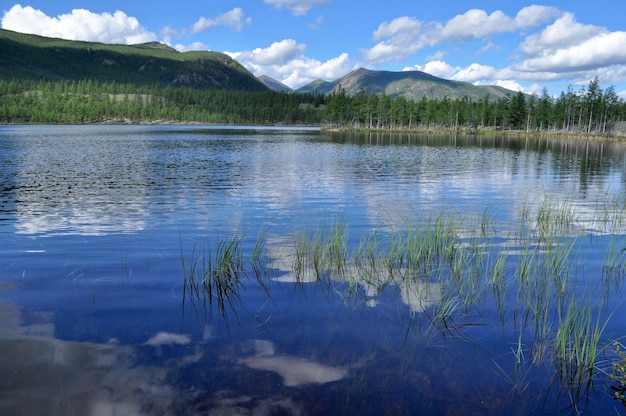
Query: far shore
(618, 133)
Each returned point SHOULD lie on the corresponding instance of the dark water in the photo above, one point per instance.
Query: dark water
(101, 312)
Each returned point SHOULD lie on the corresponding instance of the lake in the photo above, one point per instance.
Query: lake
(156, 270)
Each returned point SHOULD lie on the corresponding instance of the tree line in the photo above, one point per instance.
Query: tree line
(590, 110)
(77, 102)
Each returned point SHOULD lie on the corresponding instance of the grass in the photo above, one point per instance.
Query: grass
(577, 344)
(212, 276)
(454, 274)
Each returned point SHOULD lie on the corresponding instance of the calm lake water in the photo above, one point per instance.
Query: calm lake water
(215, 271)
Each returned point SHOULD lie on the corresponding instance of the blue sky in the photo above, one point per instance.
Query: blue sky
(517, 44)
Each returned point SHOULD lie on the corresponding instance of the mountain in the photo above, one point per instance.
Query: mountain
(24, 56)
(409, 84)
(273, 84)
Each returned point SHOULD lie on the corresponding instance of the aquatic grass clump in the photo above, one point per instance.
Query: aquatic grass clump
(548, 218)
(451, 275)
(577, 345)
(320, 252)
(423, 249)
(611, 216)
(214, 276)
(614, 262)
(555, 217)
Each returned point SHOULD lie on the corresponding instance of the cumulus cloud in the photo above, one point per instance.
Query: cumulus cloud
(556, 47)
(563, 33)
(194, 46)
(285, 62)
(401, 37)
(437, 68)
(475, 72)
(533, 16)
(477, 23)
(297, 7)
(305, 70)
(278, 53)
(603, 50)
(80, 24)
(233, 19)
(567, 49)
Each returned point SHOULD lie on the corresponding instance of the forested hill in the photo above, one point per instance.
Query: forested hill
(412, 85)
(37, 58)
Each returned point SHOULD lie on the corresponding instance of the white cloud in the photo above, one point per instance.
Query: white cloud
(278, 53)
(195, 46)
(602, 50)
(233, 19)
(506, 83)
(307, 70)
(533, 16)
(403, 28)
(475, 72)
(297, 7)
(556, 48)
(403, 38)
(80, 24)
(564, 32)
(475, 24)
(437, 68)
(285, 62)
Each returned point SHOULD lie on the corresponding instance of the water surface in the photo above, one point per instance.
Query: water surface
(101, 228)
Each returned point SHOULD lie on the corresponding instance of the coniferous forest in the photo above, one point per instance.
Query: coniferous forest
(588, 110)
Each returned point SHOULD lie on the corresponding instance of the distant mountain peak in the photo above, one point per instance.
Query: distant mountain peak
(409, 84)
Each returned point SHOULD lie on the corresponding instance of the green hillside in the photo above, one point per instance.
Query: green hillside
(31, 57)
(408, 84)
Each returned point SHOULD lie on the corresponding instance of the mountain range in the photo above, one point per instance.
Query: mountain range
(24, 56)
(409, 84)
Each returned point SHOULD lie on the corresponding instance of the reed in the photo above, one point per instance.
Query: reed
(614, 262)
(212, 277)
(320, 252)
(613, 215)
(487, 222)
(259, 259)
(336, 246)
(551, 217)
(577, 344)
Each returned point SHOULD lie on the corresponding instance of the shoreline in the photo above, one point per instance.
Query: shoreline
(615, 136)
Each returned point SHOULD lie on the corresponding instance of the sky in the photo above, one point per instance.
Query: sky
(520, 45)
